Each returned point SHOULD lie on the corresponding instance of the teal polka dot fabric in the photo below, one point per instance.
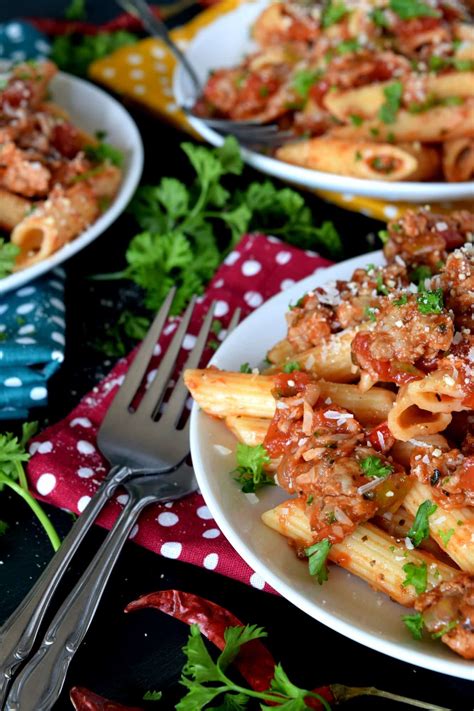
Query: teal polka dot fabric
(32, 326)
(20, 41)
(32, 340)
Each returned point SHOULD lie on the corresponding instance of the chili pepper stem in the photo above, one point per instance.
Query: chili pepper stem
(344, 693)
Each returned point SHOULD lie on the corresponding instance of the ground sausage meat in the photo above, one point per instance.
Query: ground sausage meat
(449, 608)
(457, 281)
(449, 474)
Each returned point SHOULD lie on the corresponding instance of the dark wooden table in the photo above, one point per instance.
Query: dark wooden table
(123, 656)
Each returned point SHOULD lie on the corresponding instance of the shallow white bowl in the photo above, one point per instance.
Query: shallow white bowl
(344, 603)
(91, 109)
(224, 43)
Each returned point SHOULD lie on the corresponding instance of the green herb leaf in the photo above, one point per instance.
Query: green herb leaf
(8, 254)
(401, 301)
(152, 695)
(235, 638)
(303, 80)
(245, 368)
(416, 575)
(350, 45)
(379, 17)
(374, 467)
(444, 630)
(250, 461)
(414, 624)
(410, 9)
(3, 527)
(383, 236)
(291, 366)
(446, 535)
(333, 13)
(393, 95)
(317, 555)
(74, 53)
(370, 312)
(356, 121)
(430, 302)
(420, 528)
(103, 152)
(76, 10)
(419, 274)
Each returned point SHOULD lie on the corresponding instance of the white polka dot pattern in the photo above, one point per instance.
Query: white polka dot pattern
(45, 484)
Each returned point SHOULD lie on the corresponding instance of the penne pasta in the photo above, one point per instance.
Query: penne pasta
(225, 394)
(458, 160)
(13, 209)
(369, 553)
(407, 421)
(363, 159)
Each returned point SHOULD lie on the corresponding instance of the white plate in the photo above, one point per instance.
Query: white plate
(91, 109)
(223, 44)
(344, 603)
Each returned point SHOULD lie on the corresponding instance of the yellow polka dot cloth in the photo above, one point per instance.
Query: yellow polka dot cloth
(144, 73)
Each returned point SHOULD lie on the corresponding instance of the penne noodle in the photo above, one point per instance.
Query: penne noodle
(13, 209)
(407, 421)
(106, 182)
(437, 392)
(225, 394)
(369, 553)
(366, 101)
(458, 159)
(436, 125)
(249, 430)
(64, 215)
(452, 529)
(402, 451)
(363, 159)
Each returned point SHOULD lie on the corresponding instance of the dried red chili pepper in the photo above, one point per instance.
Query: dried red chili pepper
(84, 700)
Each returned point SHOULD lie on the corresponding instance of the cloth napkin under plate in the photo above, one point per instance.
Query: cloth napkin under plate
(66, 466)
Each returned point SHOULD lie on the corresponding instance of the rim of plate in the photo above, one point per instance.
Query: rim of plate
(456, 667)
(415, 192)
(131, 178)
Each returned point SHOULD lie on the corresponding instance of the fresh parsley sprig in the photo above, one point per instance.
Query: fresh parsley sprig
(13, 456)
(416, 575)
(393, 96)
(420, 528)
(317, 557)
(374, 467)
(206, 680)
(8, 255)
(250, 472)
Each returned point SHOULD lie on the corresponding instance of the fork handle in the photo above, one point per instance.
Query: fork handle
(39, 684)
(19, 632)
(155, 27)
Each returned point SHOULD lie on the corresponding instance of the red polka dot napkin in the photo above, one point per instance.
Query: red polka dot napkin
(66, 466)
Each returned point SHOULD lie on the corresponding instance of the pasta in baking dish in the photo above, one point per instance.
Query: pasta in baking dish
(378, 89)
(364, 415)
(55, 179)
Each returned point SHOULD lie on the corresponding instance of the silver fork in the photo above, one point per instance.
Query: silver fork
(136, 445)
(248, 132)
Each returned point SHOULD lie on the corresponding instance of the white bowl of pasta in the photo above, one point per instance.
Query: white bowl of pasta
(67, 174)
(358, 154)
(346, 603)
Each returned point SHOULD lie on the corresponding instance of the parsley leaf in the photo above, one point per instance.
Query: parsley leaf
(401, 301)
(379, 17)
(446, 535)
(444, 630)
(245, 368)
(414, 624)
(416, 575)
(420, 528)
(419, 274)
(152, 695)
(350, 45)
(76, 10)
(303, 80)
(291, 366)
(430, 302)
(13, 456)
(383, 236)
(74, 53)
(393, 95)
(3, 527)
(410, 9)
(251, 460)
(333, 13)
(104, 152)
(373, 466)
(317, 556)
(8, 255)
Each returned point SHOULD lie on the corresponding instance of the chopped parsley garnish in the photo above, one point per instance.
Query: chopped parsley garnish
(420, 528)
(419, 274)
(374, 131)
(8, 255)
(381, 288)
(333, 13)
(317, 557)
(416, 575)
(245, 368)
(350, 45)
(309, 500)
(401, 301)
(379, 17)
(446, 535)
(152, 695)
(436, 63)
(410, 9)
(3, 527)
(444, 630)
(303, 80)
(370, 312)
(356, 120)
(263, 91)
(104, 152)
(393, 95)
(250, 473)
(414, 624)
(291, 366)
(374, 467)
(383, 236)
(430, 302)
(358, 156)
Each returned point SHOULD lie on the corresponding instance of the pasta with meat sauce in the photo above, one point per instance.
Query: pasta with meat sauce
(376, 452)
(379, 90)
(55, 180)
